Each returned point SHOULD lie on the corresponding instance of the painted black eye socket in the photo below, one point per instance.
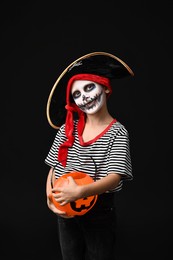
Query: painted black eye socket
(87, 88)
(76, 94)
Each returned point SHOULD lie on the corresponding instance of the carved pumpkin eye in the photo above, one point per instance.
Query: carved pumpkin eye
(80, 206)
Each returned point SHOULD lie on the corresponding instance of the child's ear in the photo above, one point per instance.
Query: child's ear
(107, 90)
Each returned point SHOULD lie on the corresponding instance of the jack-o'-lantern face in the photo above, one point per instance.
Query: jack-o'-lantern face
(80, 206)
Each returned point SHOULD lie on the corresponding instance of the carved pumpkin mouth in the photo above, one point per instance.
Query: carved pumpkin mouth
(79, 208)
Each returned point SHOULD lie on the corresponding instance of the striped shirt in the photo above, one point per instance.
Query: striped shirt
(109, 152)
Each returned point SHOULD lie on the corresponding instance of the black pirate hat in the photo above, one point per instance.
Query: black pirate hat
(97, 63)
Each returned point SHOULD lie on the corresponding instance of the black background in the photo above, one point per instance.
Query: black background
(38, 41)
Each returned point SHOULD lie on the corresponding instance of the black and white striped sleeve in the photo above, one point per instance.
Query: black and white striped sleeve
(119, 157)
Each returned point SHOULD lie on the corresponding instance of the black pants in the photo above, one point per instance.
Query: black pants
(91, 236)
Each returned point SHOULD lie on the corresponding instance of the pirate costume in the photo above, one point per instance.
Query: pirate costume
(94, 233)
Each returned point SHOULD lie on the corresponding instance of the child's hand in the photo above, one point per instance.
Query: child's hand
(67, 193)
(55, 210)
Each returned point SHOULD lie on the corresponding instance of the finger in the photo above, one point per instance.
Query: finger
(63, 203)
(70, 179)
(58, 198)
(59, 189)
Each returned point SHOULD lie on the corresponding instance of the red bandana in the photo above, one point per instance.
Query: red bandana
(69, 127)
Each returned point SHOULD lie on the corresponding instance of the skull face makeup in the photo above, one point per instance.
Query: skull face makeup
(88, 95)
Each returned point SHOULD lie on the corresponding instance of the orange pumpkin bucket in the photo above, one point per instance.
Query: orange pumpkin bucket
(80, 206)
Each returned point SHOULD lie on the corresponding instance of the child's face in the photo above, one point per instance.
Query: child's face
(88, 95)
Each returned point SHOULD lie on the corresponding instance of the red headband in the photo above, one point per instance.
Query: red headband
(63, 150)
(95, 78)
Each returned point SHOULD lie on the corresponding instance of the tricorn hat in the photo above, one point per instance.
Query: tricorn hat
(101, 64)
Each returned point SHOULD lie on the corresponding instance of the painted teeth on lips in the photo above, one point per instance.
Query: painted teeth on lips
(90, 104)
